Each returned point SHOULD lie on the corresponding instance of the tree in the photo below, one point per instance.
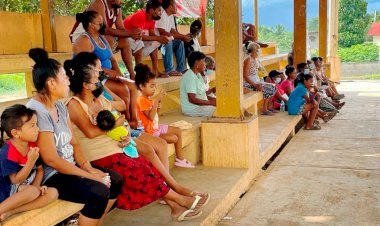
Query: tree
(353, 22)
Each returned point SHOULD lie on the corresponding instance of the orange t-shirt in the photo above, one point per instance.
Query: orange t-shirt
(146, 104)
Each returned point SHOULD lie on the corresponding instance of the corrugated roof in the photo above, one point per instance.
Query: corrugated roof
(374, 30)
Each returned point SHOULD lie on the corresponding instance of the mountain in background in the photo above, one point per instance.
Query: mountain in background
(273, 12)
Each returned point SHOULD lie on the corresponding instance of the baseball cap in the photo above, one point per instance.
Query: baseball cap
(274, 73)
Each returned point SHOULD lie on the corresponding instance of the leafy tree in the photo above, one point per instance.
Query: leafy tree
(312, 24)
(353, 22)
(278, 35)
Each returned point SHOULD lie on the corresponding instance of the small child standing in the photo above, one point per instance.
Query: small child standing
(21, 170)
(147, 109)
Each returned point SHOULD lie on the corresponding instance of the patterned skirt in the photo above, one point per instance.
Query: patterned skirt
(142, 184)
(268, 89)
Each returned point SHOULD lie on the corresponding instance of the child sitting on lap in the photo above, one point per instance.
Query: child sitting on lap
(107, 121)
(147, 109)
(21, 170)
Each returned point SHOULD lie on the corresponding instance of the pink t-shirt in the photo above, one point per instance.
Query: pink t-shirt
(138, 20)
(287, 83)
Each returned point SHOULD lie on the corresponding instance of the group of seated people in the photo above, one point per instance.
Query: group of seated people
(303, 91)
(89, 149)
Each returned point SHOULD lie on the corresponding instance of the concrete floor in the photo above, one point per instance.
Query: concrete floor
(326, 177)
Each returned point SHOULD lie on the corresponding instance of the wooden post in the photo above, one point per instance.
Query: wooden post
(256, 19)
(299, 31)
(49, 34)
(29, 83)
(334, 59)
(322, 32)
(333, 39)
(228, 53)
(204, 29)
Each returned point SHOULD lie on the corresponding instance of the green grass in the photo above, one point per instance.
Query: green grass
(362, 77)
(12, 86)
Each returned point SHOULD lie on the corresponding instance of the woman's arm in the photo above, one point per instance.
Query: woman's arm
(246, 64)
(39, 175)
(48, 152)
(116, 102)
(194, 100)
(79, 117)
(82, 44)
(79, 157)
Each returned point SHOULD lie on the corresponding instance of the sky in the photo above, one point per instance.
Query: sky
(273, 12)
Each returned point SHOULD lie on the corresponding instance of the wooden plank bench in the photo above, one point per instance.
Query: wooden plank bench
(49, 215)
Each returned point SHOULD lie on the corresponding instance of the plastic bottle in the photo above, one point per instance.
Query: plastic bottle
(282, 106)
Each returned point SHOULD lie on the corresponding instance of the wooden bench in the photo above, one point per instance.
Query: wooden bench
(49, 215)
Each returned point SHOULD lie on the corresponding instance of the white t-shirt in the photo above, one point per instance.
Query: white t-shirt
(166, 22)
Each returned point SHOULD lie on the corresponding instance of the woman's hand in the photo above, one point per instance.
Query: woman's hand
(43, 190)
(125, 141)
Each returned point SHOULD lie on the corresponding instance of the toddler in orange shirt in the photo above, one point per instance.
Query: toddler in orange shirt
(147, 109)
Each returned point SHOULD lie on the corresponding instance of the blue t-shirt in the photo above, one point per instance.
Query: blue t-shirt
(296, 99)
(12, 161)
(60, 129)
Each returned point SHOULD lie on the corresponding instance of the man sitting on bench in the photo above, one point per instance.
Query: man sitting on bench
(145, 21)
(166, 26)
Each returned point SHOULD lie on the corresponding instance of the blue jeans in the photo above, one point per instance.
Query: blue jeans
(178, 48)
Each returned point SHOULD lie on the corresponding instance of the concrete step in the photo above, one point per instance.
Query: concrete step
(224, 185)
(274, 131)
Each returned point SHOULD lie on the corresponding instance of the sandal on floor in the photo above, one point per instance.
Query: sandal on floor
(184, 217)
(162, 75)
(197, 200)
(341, 105)
(329, 117)
(313, 127)
(268, 113)
(183, 163)
(273, 110)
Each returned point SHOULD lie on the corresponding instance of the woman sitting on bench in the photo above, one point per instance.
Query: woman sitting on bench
(66, 168)
(143, 183)
(93, 41)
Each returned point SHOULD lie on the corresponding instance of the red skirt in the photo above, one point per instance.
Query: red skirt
(142, 184)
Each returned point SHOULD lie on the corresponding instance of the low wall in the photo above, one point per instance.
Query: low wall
(354, 69)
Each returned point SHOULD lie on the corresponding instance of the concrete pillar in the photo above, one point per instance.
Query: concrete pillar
(299, 31)
(229, 58)
(322, 32)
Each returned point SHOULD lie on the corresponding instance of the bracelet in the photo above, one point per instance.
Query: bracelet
(84, 163)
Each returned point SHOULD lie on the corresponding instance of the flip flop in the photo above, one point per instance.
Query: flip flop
(314, 127)
(162, 75)
(184, 217)
(196, 202)
(174, 73)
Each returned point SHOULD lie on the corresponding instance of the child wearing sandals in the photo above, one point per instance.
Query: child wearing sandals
(20, 167)
(251, 67)
(300, 103)
(147, 109)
